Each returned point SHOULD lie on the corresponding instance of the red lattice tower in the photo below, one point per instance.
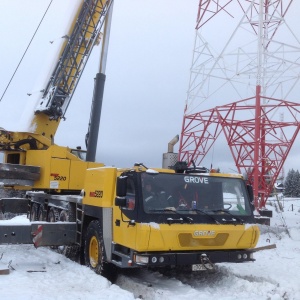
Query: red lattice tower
(254, 62)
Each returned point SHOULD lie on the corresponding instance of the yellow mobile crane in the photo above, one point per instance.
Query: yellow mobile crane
(110, 218)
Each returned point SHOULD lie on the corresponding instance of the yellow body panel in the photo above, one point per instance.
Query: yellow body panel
(59, 168)
(132, 236)
(99, 186)
(59, 174)
(127, 235)
(186, 237)
(78, 171)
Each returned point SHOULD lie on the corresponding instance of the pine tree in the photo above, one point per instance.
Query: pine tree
(288, 183)
(297, 184)
(292, 184)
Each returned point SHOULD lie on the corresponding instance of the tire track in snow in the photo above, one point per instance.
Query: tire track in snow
(220, 284)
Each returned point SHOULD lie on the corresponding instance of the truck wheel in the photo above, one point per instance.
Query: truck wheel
(41, 213)
(68, 215)
(53, 215)
(34, 212)
(94, 252)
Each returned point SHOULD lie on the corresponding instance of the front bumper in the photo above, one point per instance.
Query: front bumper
(159, 259)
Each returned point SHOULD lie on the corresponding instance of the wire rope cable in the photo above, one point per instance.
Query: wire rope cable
(7, 86)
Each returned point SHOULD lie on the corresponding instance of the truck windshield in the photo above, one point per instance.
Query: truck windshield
(194, 193)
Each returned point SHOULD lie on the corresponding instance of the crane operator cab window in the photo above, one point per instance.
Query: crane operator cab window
(79, 153)
(190, 194)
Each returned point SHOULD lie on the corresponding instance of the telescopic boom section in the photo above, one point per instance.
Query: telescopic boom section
(58, 93)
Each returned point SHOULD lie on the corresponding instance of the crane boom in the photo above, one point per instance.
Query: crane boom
(56, 97)
(67, 72)
(24, 149)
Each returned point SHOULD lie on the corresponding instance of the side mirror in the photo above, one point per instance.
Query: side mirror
(121, 191)
(121, 186)
(120, 201)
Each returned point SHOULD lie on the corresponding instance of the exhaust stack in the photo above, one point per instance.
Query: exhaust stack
(170, 158)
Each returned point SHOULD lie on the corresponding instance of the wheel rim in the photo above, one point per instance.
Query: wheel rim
(93, 251)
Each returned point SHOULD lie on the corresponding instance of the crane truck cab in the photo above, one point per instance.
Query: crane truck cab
(196, 220)
(188, 220)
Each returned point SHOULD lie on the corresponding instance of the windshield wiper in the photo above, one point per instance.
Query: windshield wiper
(207, 214)
(234, 218)
(188, 219)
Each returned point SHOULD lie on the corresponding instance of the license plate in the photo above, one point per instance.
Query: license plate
(198, 267)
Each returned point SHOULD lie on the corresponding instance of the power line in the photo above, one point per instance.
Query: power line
(25, 51)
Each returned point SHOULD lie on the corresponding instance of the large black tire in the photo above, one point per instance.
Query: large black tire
(94, 252)
(34, 212)
(53, 215)
(42, 213)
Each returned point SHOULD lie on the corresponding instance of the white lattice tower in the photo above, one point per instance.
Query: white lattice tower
(239, 44)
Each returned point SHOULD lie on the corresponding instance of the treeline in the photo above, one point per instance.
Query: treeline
(292, 184)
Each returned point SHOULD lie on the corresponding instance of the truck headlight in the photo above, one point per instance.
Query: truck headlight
(141, 259)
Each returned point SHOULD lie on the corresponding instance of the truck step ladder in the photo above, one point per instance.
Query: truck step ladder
(79, 223)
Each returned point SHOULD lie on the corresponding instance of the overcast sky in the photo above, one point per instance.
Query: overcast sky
(149, 59)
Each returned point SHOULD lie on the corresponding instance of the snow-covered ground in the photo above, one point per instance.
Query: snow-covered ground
(43, 274)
